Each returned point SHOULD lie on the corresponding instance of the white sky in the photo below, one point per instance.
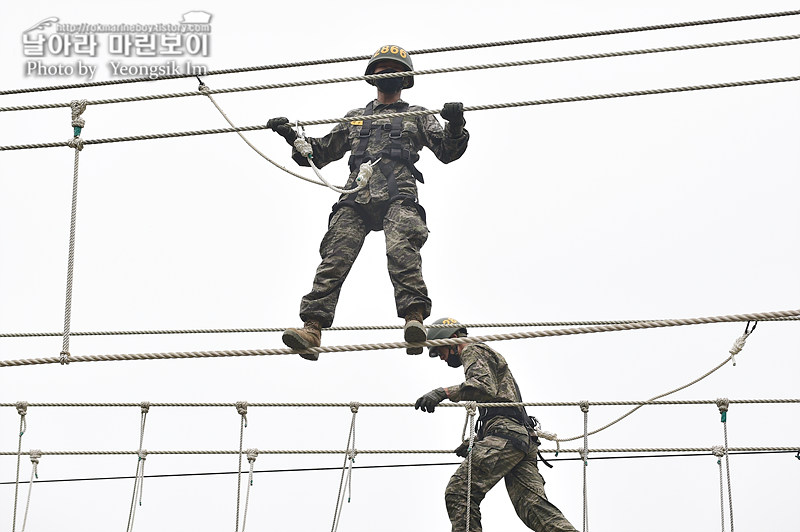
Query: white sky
(677, 205)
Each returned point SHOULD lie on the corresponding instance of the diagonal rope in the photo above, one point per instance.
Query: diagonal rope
(512, 42)
(395, 345)
(350, 454)
(444, 70)
(486, 107)
(252, 454)
(22, 410)
(35, 455)
(138, 482)
(723, 404)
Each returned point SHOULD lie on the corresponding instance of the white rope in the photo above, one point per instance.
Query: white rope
(35, 455)
(252, 454)
(22, 410)
(364, 171)
(347, 468)
(719, 452)
(138, 481)
(77, 107)
(723, 404)
(241, 409)
(471, 407)
(585, 456)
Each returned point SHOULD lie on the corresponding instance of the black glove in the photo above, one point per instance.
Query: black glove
(454, 113)
(462, 450)
(429, 401)
(282, 127)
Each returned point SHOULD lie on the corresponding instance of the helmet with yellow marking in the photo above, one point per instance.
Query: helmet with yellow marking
(391, 52)
(438, 333)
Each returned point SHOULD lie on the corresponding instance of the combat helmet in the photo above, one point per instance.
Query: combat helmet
(391, 52)
(438, 333)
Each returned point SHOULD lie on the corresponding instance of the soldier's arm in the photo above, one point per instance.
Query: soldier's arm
(481, 381)
(329, 148)
(440, 141)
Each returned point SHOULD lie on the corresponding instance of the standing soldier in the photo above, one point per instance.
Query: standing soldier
(506, 445)
(388, 202)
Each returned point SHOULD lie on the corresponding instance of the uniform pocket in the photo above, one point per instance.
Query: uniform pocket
(486, 452)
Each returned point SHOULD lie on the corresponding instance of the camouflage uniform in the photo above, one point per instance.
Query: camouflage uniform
(506, 449)
(377, 207)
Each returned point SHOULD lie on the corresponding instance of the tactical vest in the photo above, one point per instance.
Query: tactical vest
(398, 151)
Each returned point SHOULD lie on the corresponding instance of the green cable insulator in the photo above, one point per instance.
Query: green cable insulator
(556, 453)
(76, 131)
(724, 417)
(719, 462)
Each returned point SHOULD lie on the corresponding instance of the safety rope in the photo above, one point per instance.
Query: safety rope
(77, 107)
(336, 328)
(252, 454)
(585, 456)
(723, 404)
(350, 454)
(241, 409)
(138, 482)
(719, 452)
(397, 345)
(315, 62)
(22, 410)
(737, 347)
(486, 107)
(444, 70)
(471, 407)
(220, 452)
(364, 170)
(404, 405)
(35, 454)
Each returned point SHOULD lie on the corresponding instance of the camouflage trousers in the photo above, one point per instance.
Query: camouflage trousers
(494, 458)
(405, 233)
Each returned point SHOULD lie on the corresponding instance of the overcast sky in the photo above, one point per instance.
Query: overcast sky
(677, 205)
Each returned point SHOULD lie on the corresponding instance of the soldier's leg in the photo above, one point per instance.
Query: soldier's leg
(492, 459)
(339, 249)
(406, 233)
(525, 487)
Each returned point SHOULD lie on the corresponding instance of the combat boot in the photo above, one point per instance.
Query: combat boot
(309, 336)
(414, 331)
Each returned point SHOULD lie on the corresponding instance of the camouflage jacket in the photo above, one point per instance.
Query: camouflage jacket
(488, 379)
(417, 132)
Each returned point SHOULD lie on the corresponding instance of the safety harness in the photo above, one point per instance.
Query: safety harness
(393, 153)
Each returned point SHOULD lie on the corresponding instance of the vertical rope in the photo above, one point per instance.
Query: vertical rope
(35, 455)
(719, 453)
(138, 481)
(252, 454)
(471, 408)
(350, 454)
(585, 455)
(723, 404)
(22, 410)
(241, 409)
(77, 107)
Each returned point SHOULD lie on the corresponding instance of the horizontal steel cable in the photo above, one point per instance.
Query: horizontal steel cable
(475, 46)
(446, 70)
(397, 451)
(398, 345)
(409, 405)
(339, 328)
(487, 107)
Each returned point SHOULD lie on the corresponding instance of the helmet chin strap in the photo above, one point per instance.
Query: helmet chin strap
(453, 358)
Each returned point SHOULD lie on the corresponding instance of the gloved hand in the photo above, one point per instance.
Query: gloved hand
(429, 401)
(282, 127)
(462, 449)
(453, 112)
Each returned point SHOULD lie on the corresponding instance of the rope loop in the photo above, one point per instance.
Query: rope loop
(722, 404)
(471, 407)
(241, 408)
(35, 455)
(354, 406)
(22, 410)
(718, 451)
(63, 357)
(78, 107)
(142, 453)
(584, 406)
(252, 454)
(145, 405)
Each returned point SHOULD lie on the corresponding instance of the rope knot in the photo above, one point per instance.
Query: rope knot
(142, 453)
(584, 406)
(78, 107)
(351, 454)
(718, 451)
(471, 407)
(302, 146)
(145, 407)
(22, 407)
(722, 404)
(252, 454)
(584, 455)
(77, 143)
(241, 408)
(354, 406)
(63, 357)
(203, 87)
